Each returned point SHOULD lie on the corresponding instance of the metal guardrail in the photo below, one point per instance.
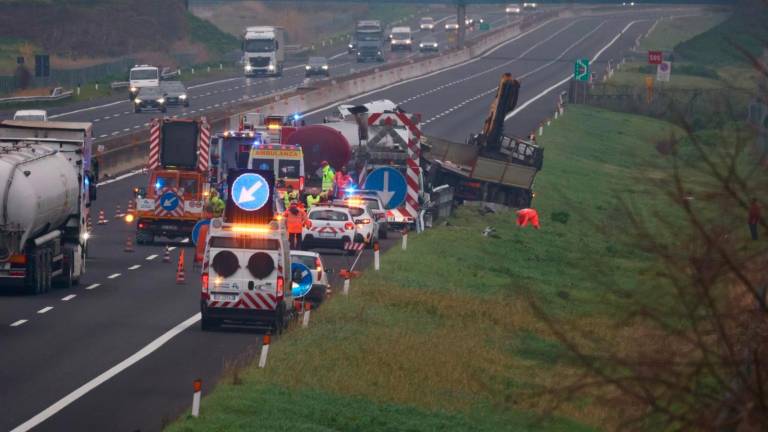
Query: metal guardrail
(119, 84)
(57, 94)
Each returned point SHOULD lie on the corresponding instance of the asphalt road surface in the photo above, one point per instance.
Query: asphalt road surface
(120, 351)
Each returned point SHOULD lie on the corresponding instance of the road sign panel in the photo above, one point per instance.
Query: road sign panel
(581, 69)
(655, 57)
(302, 280)
(169, 201)
(663, 71)
(485, 26)
(196, 229)
(391, 183)
(250, 191)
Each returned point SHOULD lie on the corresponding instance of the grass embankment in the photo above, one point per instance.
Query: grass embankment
(443, 338)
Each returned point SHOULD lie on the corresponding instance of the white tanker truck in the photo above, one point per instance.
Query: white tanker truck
(46, 185)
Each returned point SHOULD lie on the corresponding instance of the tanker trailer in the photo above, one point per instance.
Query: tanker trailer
(44, 192)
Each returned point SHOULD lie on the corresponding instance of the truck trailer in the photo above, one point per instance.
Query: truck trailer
(47, 187)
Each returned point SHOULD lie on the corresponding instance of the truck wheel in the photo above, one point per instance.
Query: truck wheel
(67, 273)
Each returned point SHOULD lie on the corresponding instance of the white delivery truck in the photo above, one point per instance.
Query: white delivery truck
(142, 76)
(263, 51)
(46, 186)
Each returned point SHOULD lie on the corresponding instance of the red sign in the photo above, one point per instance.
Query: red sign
(655, 57)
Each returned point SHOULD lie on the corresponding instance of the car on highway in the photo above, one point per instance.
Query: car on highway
(31, 115)
(401, 39)
(175, 93)
(427, 23)
(428, 43)
(317, 66)
(245, 272)
(367, 227)
(150, 98)
(473, 20)
(513, 9)
(314, 262)
(329, 226)
(375, 207)
(452, 24)
(351, 45)
(530, 5)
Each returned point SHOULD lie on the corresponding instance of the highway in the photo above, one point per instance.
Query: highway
(120, 351)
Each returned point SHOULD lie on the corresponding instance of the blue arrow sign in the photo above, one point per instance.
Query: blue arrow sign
(196, 229)
(391, 183)
(169, 201)
(302, 279)
(250, 191)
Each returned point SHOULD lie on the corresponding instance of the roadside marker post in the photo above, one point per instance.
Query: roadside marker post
(180, 280)
(102, 219)
(305, 318)
(405, 238)
(197, 385)
(264, 350)
(541, 129)
(128, 244)
(376, 258)
(167, 255)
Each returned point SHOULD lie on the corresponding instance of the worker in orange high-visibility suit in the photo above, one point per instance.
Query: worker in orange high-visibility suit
(528, 215)
(294, 221)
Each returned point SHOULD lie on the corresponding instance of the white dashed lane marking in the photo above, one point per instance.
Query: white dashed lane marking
(115, 275)
(18, 323)
(45, 309)
(92, 286)
(151, 257)
(134, 267)
(69, 297)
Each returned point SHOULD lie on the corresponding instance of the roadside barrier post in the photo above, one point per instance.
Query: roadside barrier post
(128, 243)
(167, 255)
(345, 289)
(541, 129)
(180, 280)
(376, 260)
(405, 238)
(264, 350)
(305, 318)
(557, 113)
(198, 388)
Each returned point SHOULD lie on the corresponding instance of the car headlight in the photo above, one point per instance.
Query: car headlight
(271, 67)
(350, 45)
(421, 45)
(183, 97)
(307, 67)
(325, 67)
(248, 67)
(161, 101)
(133, 89)
(408, 41)
(378, 52)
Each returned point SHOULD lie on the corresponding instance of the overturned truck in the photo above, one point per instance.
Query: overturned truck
(489, 166)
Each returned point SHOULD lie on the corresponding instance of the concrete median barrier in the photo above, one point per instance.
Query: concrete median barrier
(127, 153)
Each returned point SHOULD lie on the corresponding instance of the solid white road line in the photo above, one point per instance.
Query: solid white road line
(18, 323)
(115, 275)
(151, 257)
(87, 109)
(134, 267)
(104, 377)
(69, 297)
(92, 286)
(45, 309)
(565, 80)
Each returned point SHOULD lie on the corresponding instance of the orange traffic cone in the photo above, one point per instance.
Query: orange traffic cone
(131, 207)
(128, 244)
(167, 255)
(102, 218)
(180, 270)
(118, 212)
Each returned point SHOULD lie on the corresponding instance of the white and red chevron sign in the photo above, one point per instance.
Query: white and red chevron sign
(413, 169)
(248, 300)
(203, 145)
(154, 144)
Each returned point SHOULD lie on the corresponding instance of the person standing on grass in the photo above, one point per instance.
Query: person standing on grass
(754, 218)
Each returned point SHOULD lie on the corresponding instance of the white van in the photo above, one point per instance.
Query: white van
(401, 39)
(246, 275)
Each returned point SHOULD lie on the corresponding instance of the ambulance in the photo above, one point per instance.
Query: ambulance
(285, 161)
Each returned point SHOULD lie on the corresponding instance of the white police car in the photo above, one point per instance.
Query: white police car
(365, 223)
(329, 226)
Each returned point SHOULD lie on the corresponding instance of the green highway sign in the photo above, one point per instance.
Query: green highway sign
(485, 26)
(581, 70)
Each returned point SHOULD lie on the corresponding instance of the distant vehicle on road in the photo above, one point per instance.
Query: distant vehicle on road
(530, 5)
(369, 41)
(366, 223)
(352, 45)
(375, 206)
(427, 23)
(473, 20)
(314, 262)
(452, 24)
(31, 115)
(401, 39)
(175, 93)
(513, 9)
(263, 51)
(428, 43)
(150, 98)
(142, 76)
(317, 66)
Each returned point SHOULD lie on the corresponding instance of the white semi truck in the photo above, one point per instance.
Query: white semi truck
(263, 51)
(46, 186)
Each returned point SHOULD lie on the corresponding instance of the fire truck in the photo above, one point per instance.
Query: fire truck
(177, 194)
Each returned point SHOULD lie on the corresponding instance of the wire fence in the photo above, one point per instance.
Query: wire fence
(70, 78)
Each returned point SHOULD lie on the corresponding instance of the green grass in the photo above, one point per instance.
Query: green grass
(670, 32)
(442, 336)
(215, 40)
